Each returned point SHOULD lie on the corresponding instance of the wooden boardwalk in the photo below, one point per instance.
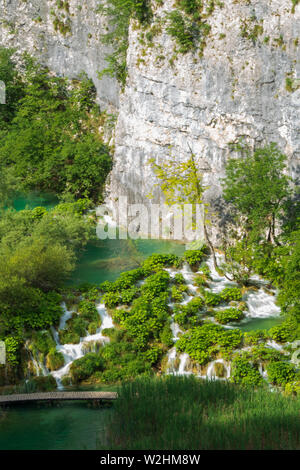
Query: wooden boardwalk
(56, 396)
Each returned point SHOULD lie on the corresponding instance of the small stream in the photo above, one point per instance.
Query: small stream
(262, 312)
(71, 352)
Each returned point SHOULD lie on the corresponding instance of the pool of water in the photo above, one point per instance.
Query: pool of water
(70, 426)
(106, 259)
(34, 199)
(260, 323)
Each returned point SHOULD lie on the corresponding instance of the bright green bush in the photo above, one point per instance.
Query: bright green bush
(194, 257)
(211, 298)
(166, 336)
(284, 332)
(203, 342)
(69, 337)
(254, 337)
(92, 328)
(177, 292)
(245, 373)
(178, 279)
(228, 315)
(189, 315)
(12, 349)
(112, 299)
(42, 341)
(55, 360)
(84, 367)
(280, 373)
(231, 293)
(263, 353)
(51, 143)
(88, 311)
(156, 262)
(155, 284)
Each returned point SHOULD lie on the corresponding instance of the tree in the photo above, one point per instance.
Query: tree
(181, 183)
(258, 192)
(51, 141)
(257, 188)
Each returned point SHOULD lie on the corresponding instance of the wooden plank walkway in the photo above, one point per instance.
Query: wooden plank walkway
(57, 396)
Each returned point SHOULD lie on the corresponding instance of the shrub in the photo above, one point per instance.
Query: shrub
(92, 328)
(156, 262)
(228, 315)
(245, 373)
(284, 332)
(112, 299)
(254, 337)
(265, 354)
(177, 292)
(44, 383)
(211, 298)
(84, 367)
(68, 337)
(193, 257)
(155, 284)
(280, 373)
(166, 336)
(204, 342)
(42, 341)
(178, 279)
(201, 280)
(55, 360)
(231, 293)
(87, 310)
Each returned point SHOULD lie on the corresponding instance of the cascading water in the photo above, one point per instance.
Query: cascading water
(260, 304)
(71, 352)
(39, 366)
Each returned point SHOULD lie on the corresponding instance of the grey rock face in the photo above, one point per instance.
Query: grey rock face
(29, 25)
(238, 89)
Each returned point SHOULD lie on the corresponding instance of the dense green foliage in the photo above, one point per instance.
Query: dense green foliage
(263, 202)
(245, 372)
(51, 140)
(38, 250)
(280, 373)
(186, 413)
(204, 342)
(228, 315)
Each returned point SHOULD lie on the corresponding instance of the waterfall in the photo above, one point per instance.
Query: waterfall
(260, 304)
(184, 357)
(39, 367)
(71, 352)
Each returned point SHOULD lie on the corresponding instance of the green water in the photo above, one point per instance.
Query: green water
(106, 259)
(71, 426)
(261, 323)
(34, 199)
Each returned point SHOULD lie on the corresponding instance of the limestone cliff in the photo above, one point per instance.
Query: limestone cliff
(244, 82)
(238, 88)
(65, 36)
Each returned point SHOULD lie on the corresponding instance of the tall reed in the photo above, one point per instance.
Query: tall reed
(187, 413)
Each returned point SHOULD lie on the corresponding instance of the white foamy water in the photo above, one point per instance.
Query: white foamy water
(260, 304)
(71, 352)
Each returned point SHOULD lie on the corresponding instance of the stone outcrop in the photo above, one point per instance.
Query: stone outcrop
(237, 88)
(66, 39)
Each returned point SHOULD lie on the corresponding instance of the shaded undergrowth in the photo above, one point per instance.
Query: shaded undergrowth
(188, 413)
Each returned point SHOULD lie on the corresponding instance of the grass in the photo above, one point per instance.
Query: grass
(186, 413)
